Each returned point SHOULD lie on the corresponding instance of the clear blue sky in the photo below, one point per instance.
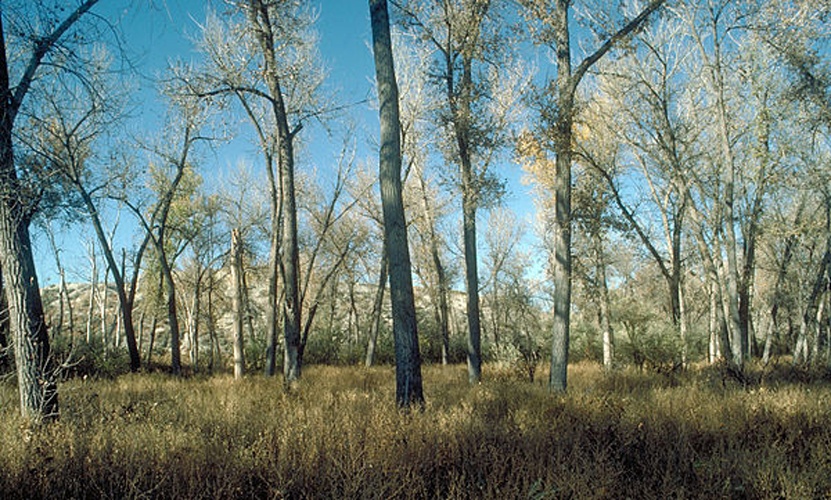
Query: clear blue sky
(158, 31)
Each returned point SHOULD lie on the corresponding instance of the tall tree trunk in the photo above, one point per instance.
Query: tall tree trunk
(461, 101)
(38, 389)
(194, 324)
(236, 279)
(35, 374)
(408, 387)
(565, 87)
(172, 313)
(271, 311)
(259, 17)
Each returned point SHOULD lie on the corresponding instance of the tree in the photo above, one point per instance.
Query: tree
(66, 139)
(172, 173)
(37, 387)
(237, 271)
(550, 23)
(268, 64)
(408, 386)
(467, 39)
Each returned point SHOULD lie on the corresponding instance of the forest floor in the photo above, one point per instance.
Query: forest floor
(624, 434)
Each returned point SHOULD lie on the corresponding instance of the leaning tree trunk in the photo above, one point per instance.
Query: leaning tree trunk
(408, 385)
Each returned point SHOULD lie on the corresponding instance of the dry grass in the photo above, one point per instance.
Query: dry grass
(338, 435)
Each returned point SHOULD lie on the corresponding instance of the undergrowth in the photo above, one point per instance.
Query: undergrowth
(624, 434)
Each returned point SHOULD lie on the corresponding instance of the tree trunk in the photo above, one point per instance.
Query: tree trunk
(38, 389)
(196, 312)
(290, 263)
(272, 318)
(408, 390)
(605, 304)
(810, 315)
(441, 278)
(172, 314)
(125, 304)
(377, 307)
(236, 279)
(565, 89)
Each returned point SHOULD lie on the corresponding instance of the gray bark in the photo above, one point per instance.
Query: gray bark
(564, 88)
(259, 17)
(408, 391)
(238, 304)
(36, 384)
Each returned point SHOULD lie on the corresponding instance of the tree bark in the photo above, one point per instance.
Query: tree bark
(259, 17)
(564, 88)
(236, 278)
(408, 391)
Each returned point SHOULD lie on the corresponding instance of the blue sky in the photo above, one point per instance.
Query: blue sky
(159, 31)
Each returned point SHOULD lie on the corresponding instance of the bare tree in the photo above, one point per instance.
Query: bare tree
(550, 23)
(268, 64)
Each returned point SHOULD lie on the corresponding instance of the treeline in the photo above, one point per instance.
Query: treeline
(679, 153)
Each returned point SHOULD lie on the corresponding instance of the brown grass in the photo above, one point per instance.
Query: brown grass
(338, 435)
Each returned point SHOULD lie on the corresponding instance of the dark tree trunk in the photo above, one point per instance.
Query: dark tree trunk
(38, 389)
(408, 389)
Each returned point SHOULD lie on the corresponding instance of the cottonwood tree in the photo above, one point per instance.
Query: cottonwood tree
(639, 129)
(408, 386)
(469, 43)
(172, 172)
(69, 138)
(33, 40)
(268, 63)
(550, 24)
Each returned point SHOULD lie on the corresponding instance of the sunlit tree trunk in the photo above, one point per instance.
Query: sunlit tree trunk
(236, 279)
(563, 88)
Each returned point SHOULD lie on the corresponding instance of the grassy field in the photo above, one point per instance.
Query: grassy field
(338, 435)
